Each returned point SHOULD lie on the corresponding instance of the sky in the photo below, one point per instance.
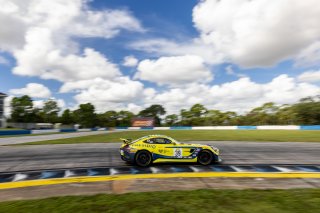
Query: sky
(127, 55)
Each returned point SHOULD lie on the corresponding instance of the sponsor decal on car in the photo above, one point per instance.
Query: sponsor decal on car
(163, 151)
(145, 145)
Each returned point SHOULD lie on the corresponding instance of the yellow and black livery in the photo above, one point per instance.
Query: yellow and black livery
(163, 149)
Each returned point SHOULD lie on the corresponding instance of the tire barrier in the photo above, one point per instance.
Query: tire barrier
(160, 169)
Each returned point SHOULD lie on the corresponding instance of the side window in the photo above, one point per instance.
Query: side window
(158, 141)
(149, 141)
(167, 141)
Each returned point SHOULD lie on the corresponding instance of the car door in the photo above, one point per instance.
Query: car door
(177, 151)
(183, 151)
(162, 150)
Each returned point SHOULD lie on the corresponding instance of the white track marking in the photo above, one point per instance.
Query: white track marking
(113, 171)
(68, 173)
(236, 169)
(19, 177)
(283, 169)
(195, 169)
(154, 169)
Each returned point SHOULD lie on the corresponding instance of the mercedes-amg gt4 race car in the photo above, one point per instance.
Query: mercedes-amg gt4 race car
(163, 149)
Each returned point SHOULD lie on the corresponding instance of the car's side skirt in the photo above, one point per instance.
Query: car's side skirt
(163, 160)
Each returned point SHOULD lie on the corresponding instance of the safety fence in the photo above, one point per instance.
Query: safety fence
(267, 127)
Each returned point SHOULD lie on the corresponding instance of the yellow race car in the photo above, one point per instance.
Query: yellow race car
(163, 149)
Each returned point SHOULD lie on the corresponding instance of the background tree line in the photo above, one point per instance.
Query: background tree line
(305, 112)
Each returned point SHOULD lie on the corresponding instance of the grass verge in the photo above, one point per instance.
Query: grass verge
(49, 133)
(222, 201)
(199, 135)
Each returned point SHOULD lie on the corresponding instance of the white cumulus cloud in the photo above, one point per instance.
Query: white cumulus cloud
(240, 96)
(258, 33)
(310, 76)
(40, 57)
(174, 70)
(43, 38)
(310, 56)
(165, 47)
(105, 94)
(130, 61)
(42, 35)
(34, 90)
(109, 91)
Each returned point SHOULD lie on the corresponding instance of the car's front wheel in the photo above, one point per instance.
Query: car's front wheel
(205, 157)
(143, 158)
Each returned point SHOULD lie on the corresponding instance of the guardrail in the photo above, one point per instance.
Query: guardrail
(266, 127)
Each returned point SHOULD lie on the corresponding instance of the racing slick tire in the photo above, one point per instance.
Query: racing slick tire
(205, 157)
(143, 158)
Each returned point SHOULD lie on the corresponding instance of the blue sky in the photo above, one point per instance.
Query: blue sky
(123, 54)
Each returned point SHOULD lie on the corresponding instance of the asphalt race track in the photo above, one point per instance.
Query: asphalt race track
(39, 157)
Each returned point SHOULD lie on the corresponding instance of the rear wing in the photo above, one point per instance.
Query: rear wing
(126, 141)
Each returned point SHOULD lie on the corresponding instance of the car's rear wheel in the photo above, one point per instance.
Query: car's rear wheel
(205, 157)
(143, 158)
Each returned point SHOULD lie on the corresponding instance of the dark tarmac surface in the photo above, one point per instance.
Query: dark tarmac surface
(34, 157)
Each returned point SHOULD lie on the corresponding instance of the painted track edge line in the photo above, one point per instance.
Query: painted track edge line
(85, 179)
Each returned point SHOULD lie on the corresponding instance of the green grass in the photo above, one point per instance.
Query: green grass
(219, 201)
(200, 135)
(23, 135)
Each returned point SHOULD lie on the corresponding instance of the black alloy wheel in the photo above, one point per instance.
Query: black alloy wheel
(143, 158)
(205, 157)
